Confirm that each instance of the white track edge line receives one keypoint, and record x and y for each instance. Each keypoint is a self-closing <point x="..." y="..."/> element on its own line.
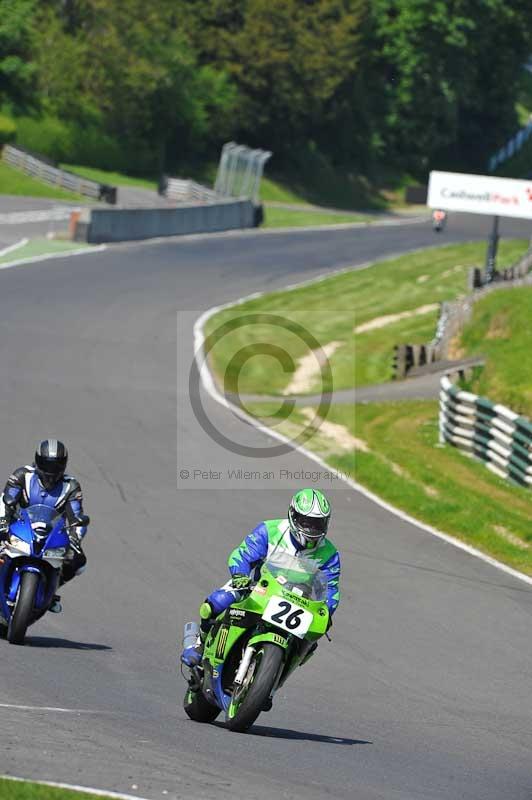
<point x="47" y="256"/>
<point x="15" y="246"/>
<point x="58" y="709"/>
<point x="211" y="388"/>
<point x="75" y="788"/>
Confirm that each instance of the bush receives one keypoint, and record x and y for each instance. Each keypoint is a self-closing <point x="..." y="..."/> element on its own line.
<point x="47" y="135"/>
<point x="70" y="143"/>
<point x="8" y="130"/>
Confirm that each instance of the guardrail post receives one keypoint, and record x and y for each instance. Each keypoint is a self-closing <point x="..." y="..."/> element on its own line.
<point x="399" y="361"/>
<point x="491" y="253"/>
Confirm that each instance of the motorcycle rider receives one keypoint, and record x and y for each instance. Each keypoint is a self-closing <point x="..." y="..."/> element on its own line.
<point x="45" y="482"/>
<point x="439" y="218"/>
<point x="304" y="532"/>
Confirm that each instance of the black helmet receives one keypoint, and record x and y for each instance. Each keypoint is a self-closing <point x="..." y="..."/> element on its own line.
<point x="51" y="459"/>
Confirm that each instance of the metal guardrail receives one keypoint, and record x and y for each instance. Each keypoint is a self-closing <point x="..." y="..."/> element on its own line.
<point x="492" y="433"/>
<point x="186" y="191"/>
<point x="44" y="171"/>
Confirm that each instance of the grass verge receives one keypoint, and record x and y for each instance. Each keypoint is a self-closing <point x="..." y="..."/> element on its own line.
<point x="41" y="247"/>
<point x="17" y="183"/>
<point x="330" y="310"/>
<point x="287" y="218"/>
<point x="25" y="790"/>
<point x="111" y="178"/>
<point x="393" y="450"/>
<point x="500" y="329"/>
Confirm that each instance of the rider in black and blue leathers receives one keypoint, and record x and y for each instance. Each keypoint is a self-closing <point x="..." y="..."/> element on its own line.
<point x="45" y="482"/>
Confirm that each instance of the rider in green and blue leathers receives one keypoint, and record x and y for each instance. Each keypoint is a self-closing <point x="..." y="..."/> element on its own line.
<point x="304" y="531"/>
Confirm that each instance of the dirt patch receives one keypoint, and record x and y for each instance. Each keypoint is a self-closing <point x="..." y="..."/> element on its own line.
<point x="389" y="319"/>
<point x="452" y="271"/>
<point x="430" y="491"/>
<point x="499" y="327"/>
<point x="339" y="434"/>
<point x="422" y="278"/>
<point x="397" y="470"/>
<point x="511" y="537"/>
<point x="309" y="367"/>
<point x="455" y="351"/>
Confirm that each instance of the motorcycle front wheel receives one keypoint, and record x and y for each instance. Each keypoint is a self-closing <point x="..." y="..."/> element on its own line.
<point x="22" y="612"/>
<point x="253" y="695"/>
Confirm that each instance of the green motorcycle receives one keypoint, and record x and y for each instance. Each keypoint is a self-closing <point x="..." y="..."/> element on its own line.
<point x="258" y="641"/>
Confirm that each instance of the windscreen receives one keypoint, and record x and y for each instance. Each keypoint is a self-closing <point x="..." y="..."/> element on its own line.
<point x="42" y="518"/>
<point x="298" y="574"/>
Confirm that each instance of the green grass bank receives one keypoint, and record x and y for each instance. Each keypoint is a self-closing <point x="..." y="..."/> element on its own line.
<point x="14" y="182"/>
<point x="501" y="329"/>
<point x="360" y="314"/>
<point x="25" y="790"/>
<point x="392" y="448"/>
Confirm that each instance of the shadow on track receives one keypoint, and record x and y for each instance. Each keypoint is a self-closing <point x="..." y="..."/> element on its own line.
<point x="287" y="733"/>
<point x="65" y="644"/>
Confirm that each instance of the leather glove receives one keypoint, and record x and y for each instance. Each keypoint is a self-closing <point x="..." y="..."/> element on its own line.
<point x="240" y="582"/>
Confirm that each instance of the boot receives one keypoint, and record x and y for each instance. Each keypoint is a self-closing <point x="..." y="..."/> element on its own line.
<point x="56" y="605"/>
<point x="192" y="655"/>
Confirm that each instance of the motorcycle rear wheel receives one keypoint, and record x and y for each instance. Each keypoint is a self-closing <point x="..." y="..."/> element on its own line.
<point x="198" y="708"/>
<point x="244" y="710"/>
<point x="22" y="612"/>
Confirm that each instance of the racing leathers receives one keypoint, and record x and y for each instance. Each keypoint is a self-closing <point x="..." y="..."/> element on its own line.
<point x="273" y="536"/>
<point x="24" y="489"/>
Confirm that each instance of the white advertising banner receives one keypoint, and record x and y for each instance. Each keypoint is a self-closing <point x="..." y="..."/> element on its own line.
<point x="480" y="194"/>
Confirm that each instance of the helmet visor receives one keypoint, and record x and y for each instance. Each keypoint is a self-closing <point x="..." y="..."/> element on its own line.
<point x="50" y="470"/>
<point x="311" y="528"/>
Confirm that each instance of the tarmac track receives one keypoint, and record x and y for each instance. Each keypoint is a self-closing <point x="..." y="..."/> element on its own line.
<point x="425" y="691"/>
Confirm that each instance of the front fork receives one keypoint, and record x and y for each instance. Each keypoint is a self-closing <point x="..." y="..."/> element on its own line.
<point x="250" y="651"/>
<point x="10" y="576"/>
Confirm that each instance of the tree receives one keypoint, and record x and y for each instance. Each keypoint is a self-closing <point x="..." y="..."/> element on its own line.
<point x="448" y="71"/>
<point x="16" y="72"/>
<point x="127" y="67"/>
<point x="290" y="59"/>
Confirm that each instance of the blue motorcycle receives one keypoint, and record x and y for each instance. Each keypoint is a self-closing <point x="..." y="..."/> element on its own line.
<point x="30" y="568"/>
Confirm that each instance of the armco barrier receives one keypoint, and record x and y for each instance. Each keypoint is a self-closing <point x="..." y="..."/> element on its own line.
<point x="120" y="225"/>
<point x="186" y="191"/>
<point x="44" y="171"/>
<point x="492" y="433"/>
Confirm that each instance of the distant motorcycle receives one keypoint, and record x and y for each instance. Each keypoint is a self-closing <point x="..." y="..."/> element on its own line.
<point x="439" y="218"/>
<point x="31" y="560"/>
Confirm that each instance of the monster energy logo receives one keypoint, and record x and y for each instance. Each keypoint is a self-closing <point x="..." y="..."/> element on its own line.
<point x="222" y="641"/>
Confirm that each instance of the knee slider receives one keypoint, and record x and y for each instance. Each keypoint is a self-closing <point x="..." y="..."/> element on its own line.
<point x="205" y="610"/>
